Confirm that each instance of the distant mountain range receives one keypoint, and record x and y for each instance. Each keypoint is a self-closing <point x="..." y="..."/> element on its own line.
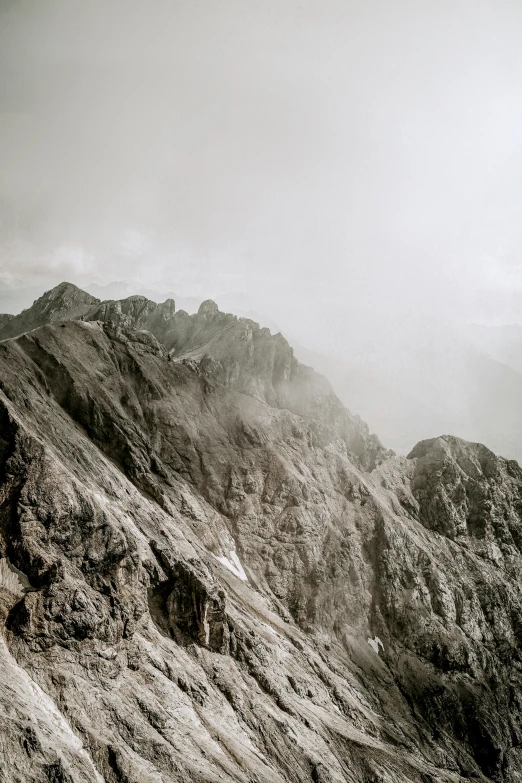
<point x="15" y="298"/>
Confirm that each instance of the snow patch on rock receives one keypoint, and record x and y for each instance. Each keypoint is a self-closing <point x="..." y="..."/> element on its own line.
<point x="374" y="644"/>
<point x="234" y="564"/>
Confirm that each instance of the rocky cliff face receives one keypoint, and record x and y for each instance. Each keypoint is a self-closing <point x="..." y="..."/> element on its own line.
<point x="210" y="571"/>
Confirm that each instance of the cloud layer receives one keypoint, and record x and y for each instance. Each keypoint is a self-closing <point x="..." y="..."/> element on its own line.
<point x="362" y="157"/>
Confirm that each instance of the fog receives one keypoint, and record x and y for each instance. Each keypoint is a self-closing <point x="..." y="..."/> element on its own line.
<point x="350" y="171"/>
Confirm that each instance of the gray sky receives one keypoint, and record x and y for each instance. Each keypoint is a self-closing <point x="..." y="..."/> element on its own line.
<point x="362" y="158"/>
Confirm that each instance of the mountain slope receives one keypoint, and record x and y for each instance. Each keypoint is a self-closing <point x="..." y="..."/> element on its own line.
<point x="191" y="576"/>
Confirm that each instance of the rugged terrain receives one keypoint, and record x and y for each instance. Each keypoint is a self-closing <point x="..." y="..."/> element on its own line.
<point x="211" y="571"/>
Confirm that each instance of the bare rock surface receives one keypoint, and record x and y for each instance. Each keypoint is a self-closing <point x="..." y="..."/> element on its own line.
<point x="210" y="571"/>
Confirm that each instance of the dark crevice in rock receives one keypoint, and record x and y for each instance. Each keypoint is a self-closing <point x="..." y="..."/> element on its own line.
<point x="189" y="605"/>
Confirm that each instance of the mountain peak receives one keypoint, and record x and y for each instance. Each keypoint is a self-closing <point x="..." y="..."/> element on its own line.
<point x="65" y="292"/>
<point x="184" y="506"/>
<point x="63" y="302"/>
<point x="208" y="307"/>
<point x="63" y="287"/>
<point x="200" y="534"/>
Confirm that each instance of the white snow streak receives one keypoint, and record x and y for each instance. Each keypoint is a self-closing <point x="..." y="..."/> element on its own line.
<point x="234" y="564"/>
<point x="374" y="643"/>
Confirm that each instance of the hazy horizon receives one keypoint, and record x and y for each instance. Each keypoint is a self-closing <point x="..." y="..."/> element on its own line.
<point x="356" y="158"/>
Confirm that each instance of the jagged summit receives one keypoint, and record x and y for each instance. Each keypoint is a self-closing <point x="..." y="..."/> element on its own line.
<point x="245" y="356"/>
<point x="467" y="453"/>
<point x="208" y="307"/>
<point x="447" y="443"/>
<point x="64" y="289"/>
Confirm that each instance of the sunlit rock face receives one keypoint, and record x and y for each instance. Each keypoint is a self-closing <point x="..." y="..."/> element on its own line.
<point x="211" y="571"/>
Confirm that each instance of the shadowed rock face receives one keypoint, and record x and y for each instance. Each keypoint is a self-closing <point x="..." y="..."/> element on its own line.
<point x="189" y="604"/>
<point x="137" y="470"/>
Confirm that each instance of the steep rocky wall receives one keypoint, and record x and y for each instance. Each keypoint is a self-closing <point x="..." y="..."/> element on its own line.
<point x="132" y="485"/>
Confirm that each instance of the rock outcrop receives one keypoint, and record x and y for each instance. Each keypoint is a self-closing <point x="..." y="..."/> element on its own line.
<point x="206" y="580"/>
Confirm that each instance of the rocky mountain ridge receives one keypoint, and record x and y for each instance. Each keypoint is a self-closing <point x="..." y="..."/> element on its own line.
<point x="233" y="351"/>
<point x="210" y="571"/>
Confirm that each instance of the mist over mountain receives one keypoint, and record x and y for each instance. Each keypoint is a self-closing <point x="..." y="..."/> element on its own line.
<point x="410" y="381"/>
<point x="502" y="343"/>
<point x="437" y="380"/>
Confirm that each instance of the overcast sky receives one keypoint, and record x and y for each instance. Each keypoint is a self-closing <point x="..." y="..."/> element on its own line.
<point x="360" y="156"/>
